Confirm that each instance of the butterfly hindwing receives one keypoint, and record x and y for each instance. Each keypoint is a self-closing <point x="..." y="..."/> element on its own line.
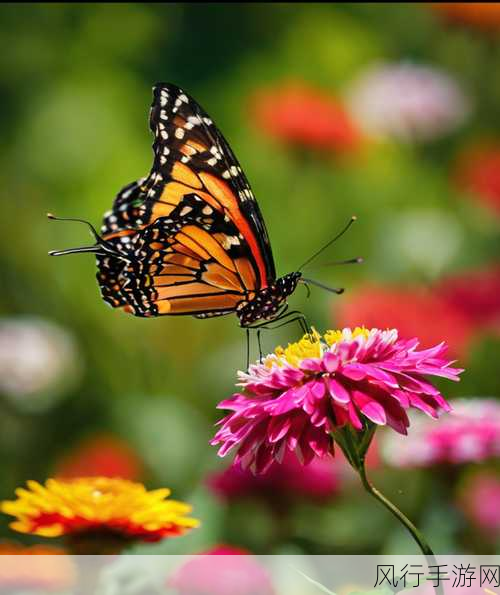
<point x="194" y="261"/>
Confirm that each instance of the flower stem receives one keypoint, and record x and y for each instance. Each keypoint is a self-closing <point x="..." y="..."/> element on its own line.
<point x="415" y="533"/>
<point x="402" y="518"/>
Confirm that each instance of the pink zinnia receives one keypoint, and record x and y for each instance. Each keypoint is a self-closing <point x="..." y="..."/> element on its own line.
<point x="298" y="396"/>
<point x="280" y="484"/>
<point x="471" y="433"/>
<point x="222" y="570"/>
<point x="479" y="500"/>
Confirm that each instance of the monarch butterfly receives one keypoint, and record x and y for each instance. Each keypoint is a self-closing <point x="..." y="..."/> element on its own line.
<point x="189" y="238"/>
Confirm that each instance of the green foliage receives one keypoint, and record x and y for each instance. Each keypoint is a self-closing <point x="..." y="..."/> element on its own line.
<point x="75" y="90"/>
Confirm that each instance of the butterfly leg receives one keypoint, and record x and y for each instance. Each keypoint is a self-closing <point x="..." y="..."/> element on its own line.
<point x="299" y="317"/>
<point x="259" y="344"/>
<point x="248" y="347"/>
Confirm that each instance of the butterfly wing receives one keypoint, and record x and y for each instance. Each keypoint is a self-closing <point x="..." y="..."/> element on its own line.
<point x="195" y="207"/>
<point x="194" y="261"/>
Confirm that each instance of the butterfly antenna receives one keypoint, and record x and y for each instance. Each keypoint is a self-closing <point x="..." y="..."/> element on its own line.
<point x="328" y="244"/>
<point x="337" y="290"/>
<point x="99" y="245"/>
<point x="334" y="263"/>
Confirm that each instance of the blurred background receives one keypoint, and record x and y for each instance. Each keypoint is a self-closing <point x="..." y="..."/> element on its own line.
<point x="387" y="111"/>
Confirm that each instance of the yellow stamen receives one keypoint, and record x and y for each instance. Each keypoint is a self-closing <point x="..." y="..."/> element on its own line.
<point x="332" y="337"/>
<point x="308" y="347"/>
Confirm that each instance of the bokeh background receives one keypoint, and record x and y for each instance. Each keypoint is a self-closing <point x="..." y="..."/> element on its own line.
<point x="387" y="111"/>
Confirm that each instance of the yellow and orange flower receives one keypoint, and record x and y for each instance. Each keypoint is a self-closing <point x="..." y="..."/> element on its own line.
<point x="98" y="505"/>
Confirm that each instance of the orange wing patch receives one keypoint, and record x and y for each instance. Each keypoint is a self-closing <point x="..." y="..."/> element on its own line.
<point x="206" y="243"/>
<point x="219" y="276"/>
<point x="182" y="173"/>
<point x="191" y="147"/>
<point x="224" y="195"/>
<point x="166" y="292"/>
<point x="246" y="272"/>
<point x="189" y="305"/>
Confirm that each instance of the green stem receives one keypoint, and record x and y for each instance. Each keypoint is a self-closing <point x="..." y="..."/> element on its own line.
<point x="415" y="533"/>
<point x="402" y="518"/>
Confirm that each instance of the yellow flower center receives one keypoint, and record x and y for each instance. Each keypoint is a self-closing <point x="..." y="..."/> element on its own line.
<point x="311" y="346"/>
<point x="308" y="347"/>
<point x="332" y="337"/>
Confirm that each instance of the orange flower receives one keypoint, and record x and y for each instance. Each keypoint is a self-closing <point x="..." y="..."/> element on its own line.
<point x="484" y="15"/>
<point x="478" y="172"/>
<point x="105" y="456"/>
<point x="22" y="568"/>
<point x="97" y="505"/>
<point x="303" y="116"/>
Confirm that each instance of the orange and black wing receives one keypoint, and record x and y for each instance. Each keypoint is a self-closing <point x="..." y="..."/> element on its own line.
<point x="194" y="261"/>
<point x="195" y="207"/>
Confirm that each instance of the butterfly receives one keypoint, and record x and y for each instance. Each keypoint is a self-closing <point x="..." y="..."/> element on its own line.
<point x="189" y="239"/>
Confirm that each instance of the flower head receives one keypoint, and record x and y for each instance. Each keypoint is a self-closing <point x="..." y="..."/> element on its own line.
<point x="471" y="433"/>
<point x="299" y="395"/>
<point x="289" y="481"/>
<point x="303" y="116"/>
<point x="233" y="572"/>
<point x="97" y="505"/>
<point x="479" y="498"/>
<point x="37" y="360"/>
<point x="102" y="455"/>
<point x="413" y="311"/>
<point x="477" y="171"/>
<point x="475" y="293"/>
<point x="483" y="15"/>
<point x="407" y="102"/>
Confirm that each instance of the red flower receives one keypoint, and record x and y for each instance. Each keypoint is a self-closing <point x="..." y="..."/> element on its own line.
<point x="476" y="293"/>
<point x="235" y="573"/>
<point x="104" y="456"/>
<point x="478" y="172"/>
<point x="484" y="15"/>
<point x="413" y="311"/>
<point x="318" y="481"/>
<point x="303" y="116"/>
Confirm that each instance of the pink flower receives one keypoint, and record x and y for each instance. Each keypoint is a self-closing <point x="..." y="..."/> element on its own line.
<point x="235" y="572"/>
<point x="479" y="501"/>
<point x="408" y="102"/>
<point x="300" y="115"/>
<point x="298" y="396"/>
<point x="471" y="433"/>
<point x="318" y="481"/>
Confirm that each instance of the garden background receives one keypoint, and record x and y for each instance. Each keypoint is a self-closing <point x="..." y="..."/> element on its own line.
<point x="386" y="111"/>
